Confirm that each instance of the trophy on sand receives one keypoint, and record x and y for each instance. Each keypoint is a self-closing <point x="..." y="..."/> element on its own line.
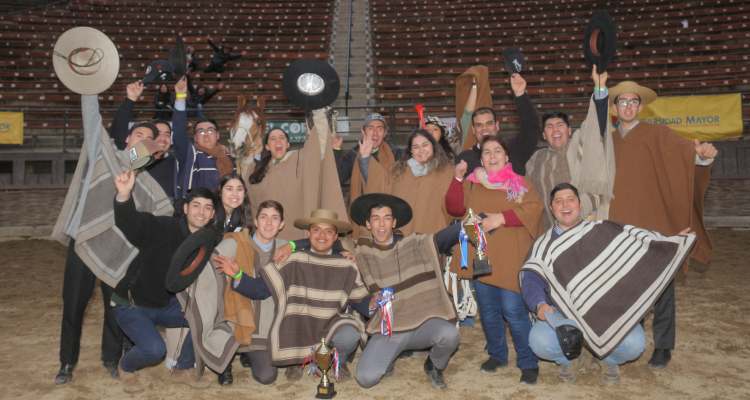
<point x="475" y="234"/>
<point x="324" y="359"/>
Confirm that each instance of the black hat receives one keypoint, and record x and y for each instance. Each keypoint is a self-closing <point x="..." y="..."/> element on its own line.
<point x="571" y="340"/>
<point x="514" y="61"/>
<point x="310" y="84"/>
<point x="191" y="257"/>
<point x="178" y="58"/>
<point x="360" y="209"/>
<point x="600" y="40"/>
<point x="159" y="71"/>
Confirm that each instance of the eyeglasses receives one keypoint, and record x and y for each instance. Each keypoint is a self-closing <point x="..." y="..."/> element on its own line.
<point x="628" y="102"/>
<point x="205" y="131"/>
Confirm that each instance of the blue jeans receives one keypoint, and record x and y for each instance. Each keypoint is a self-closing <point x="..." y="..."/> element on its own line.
<point x="139" y="324"/>
<point x="496" y="306"/>
<point x="543" y="341"/>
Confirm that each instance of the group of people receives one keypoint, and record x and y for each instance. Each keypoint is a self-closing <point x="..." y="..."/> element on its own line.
<point x="583" y="235"/>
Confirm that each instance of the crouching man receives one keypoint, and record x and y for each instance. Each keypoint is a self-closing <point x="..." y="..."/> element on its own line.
<point x="141" y="300"/>
<point x="593" y="282"/>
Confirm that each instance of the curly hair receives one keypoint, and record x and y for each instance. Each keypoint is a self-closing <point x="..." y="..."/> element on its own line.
<point x="439" y="158"/>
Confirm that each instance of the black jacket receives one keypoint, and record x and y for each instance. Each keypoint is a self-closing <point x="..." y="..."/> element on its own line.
<point x="157" y="238"/>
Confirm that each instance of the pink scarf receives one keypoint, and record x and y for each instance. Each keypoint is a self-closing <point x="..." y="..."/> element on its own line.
<point x="505" y="179"/>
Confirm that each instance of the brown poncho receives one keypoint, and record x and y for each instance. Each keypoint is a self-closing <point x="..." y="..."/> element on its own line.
<point x="303" y="181"/>
<point x="481" y="74"/>
<point x="658" y="186"/>
<point x="507" y="247"/>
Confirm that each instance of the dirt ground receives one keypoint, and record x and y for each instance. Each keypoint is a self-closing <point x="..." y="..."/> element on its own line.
<point x="711" y="359"/>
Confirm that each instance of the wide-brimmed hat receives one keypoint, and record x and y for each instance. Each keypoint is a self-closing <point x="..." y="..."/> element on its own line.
<point x="600" y="40"/>
<point x="141" y="155"/>
<point x="361" y="207"/>
<point x="310" y="84"/>
<point x="647" y="95"/>
<point x="85" y="60"/>
<point x="191" y="257"/>
<point x="323" y="216"/>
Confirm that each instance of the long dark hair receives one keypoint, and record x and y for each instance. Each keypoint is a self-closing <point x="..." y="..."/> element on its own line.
<point x="261" y="167"/>
<point x="443" y="142"/>
<point x="239" y="217"/>
<point x="439" y="158"/>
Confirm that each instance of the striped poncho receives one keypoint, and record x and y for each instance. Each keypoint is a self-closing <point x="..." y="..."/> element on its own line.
<point x="606" y="276"/>
<point x="311" y="293"/>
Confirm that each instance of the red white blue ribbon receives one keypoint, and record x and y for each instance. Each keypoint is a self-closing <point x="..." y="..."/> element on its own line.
<point x="385" y="303"/>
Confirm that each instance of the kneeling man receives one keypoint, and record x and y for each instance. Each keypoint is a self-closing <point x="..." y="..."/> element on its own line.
<point x="419" y="315"/>
<point x="599" y="277"/>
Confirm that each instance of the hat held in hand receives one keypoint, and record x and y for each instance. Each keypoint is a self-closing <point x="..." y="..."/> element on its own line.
<point x="600" y="40"/>
<point x="85" y="60"/>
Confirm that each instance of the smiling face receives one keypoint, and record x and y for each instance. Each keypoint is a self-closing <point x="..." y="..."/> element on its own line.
<point x="381" y="225"/>
<point x="421" y="149"/>
<point x="277" y="144"/>
<point x="494" y="156"/>
<point x="268" y="223"/>
<point x="206" y="135"/>
<point x="628" y="105"/>
<point x="199" y="212"/>
<point x="566" y="207"/>
<point x="556" y="132"/>
<point x="484" y="124"/>
<point x="322" y="237"/>
<point x="232" y="194"/>
<point x="164" y="137"/>
<point x="374" y="131"/>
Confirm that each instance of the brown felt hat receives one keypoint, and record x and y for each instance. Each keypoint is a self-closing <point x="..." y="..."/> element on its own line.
<point x="323" y="216"/>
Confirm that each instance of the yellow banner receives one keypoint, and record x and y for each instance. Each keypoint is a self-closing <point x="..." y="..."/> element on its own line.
<point x="11" y="128"/>
<point x="710" y="117"/>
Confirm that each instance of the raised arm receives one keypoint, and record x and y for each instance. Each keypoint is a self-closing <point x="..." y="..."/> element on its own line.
<point x="531" y="132"/>
<point x="119" y="128"/>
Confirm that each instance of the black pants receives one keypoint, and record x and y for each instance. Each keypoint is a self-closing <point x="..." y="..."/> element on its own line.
<point x="664" y="326"/>
<point x="78" y="286"/>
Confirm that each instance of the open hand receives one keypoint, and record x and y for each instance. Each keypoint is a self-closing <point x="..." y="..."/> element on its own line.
<point x="518" y="84"/>
<point x="365" y="147"/>
<point x="225" y="264"/>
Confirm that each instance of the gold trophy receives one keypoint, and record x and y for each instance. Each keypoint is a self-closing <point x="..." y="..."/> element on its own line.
<point x="476" y="236"/>
<point x="324" y="360"/>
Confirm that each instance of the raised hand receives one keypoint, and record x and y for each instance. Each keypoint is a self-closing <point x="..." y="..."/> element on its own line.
<point x="518" y="84"/>
<point x="124" y="183"/>
<point x="600" y="80"/>
<point x="705" y="150"/>
<point x="134" y="90"/>
<point x="460" y="170"/>
<point x="365" y="147"/>
<point x="337" y="141"/>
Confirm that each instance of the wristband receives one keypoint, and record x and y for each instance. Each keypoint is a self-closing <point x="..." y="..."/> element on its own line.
<point x="600" y="89"/>
<point x="293" y="246"/>
<point x="180" y="96"/>
<point x="237" y="276"/>
<point x="458" y="179"/>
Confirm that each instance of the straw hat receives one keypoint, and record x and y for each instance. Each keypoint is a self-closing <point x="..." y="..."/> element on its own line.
<point x="323" y="216"/>
<point x="647" y="95"/>
<point x="85" y="60"/>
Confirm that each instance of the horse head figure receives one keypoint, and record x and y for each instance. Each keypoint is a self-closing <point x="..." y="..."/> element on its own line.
<point x="246" y="131"/>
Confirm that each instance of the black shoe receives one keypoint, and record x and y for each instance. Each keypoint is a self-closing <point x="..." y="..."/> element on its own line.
<point x="245" y="360"/>
<point x="65" y="374"/>
<point x="660" y="358"/>
<point x="111" y="367"/>
<point x="436" y="375"/>
<point x="529" y="376"/>
<point x="226" y="378"/>
<point x="491" y="365"/>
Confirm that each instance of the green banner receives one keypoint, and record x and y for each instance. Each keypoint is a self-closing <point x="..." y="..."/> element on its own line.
<point x="297" y="130"/>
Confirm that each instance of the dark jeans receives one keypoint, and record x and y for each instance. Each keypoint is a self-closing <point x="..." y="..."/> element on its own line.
<point x="78" y="286"/>
<point x="139" y="324"/>
<point x="496" y="306"/>
<point x="664" y="326"/>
